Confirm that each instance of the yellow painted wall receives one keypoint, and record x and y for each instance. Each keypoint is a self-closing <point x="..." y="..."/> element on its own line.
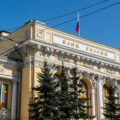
<point x="25" y="93"/>
<point x="17" y="36"/>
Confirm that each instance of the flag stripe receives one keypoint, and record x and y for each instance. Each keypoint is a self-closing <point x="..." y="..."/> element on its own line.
<point x="78" y="25"/>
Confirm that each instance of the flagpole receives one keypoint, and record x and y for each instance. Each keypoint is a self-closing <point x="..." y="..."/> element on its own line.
<point x="78" y="25"/>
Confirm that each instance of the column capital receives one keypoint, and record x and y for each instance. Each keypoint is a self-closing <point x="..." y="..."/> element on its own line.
<point x="92" y="77"/>
<point x="85" y="74"/>
<point x="37" y="47"/>
<point x="100" y="79"/>
<point x="27" y="50"/>
<point x="54" y="67"/>
<point x="80" y="73"/>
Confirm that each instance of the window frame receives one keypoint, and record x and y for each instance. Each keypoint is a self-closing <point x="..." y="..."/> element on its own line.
<point x="105" y="94"/>
<point x="4" y="92"/>
<point x="85" y="94"/>
<point x="57" y="81"/>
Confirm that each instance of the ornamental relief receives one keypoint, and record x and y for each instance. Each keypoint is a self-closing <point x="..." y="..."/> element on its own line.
<point x="110" y="71"/>
<point x="88" y="65"/>
<point x="48" y="37"/>
<point x="40" y="33"/>
<point x="70" y="61"/>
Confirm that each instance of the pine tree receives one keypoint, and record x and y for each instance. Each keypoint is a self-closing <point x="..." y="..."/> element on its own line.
<point x="80" y="110"/>
<point x="64" y="96"/>
<point x="112" y="107"/>
<point x="44" y="104"/>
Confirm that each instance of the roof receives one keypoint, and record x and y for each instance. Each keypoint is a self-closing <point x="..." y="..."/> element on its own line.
<point x="7" y="45"/>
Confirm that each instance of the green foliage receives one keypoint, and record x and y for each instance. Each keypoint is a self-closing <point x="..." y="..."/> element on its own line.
<point x="64" y="96"/>
<point x="112" y="108"/>
<point x="44" y="104"/>
<point x="80" y="110"/>
<point x="50" y="103"/>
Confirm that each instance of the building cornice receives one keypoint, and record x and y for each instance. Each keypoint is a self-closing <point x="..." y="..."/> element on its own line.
<point x="8" y="61"/>
<point x="39" y="63"/>
<point x="72" y="35"/>
<point x="12" y="78"/>
<point x="51" y="47"/>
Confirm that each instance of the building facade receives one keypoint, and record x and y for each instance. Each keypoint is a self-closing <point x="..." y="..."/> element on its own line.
<point x="24" y="51"/>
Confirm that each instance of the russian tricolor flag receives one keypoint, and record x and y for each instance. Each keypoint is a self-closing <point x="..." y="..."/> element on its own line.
<point x="78" y="25"/>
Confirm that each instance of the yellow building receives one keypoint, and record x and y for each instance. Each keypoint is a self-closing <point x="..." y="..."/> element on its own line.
<point x="24" y="51"/>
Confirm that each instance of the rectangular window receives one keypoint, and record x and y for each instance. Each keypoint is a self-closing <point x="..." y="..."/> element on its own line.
<point x="3" y="95"/>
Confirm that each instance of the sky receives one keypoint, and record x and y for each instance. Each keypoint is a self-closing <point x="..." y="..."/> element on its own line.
<point x="103" y="27"/>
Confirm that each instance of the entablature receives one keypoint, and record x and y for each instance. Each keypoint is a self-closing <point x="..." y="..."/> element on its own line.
<point x="76" y="55"/>
<point x="56" y="56"/>
<point x="67" y="40"/>
<point x="8" y="67"/>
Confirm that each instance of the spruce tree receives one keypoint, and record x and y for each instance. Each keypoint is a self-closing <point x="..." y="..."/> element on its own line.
<point x="44" y="104"/>
<point x="64" y="96"/>
<point x="112" y="107"/>
<point x="80" y="110"/>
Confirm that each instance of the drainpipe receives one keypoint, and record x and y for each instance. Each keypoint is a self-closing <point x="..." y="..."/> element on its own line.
<point x="20" y="79"/>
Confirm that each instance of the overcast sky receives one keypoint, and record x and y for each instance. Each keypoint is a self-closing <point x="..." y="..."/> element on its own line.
<point x="103" y="27"/>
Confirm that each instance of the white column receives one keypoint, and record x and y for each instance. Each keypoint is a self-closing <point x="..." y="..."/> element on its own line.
<point x="100" y="100"/>
<point x="14" y="95"/>
<point x="93" y="101"/>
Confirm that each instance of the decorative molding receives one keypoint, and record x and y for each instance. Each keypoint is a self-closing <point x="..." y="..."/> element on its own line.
<point x="83" y="47"/>
<point x="7" y="61"/>
<point x="38" y="60"/>
<point x="2" y="69"/>
<point x="76" y="53"/>
<point x="110" y="71"/>
<point x="94" y="82"/>
<point x="88" y="65"/>
<point x="48" y="37"/>
<point x="40" y="33"/>
<point x="9" y="77"/>
<point x="7" y="64"/>
<point x="47" y="52"/>
<point x="55" y="65"/>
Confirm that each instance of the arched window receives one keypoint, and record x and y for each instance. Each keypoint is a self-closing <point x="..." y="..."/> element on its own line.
<point x="3" y="94"/>
<point x="84" y="94"/>
<point x="83" y="88"/>
<point x="106" y="93"/>
<point x="57" y="79"/>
